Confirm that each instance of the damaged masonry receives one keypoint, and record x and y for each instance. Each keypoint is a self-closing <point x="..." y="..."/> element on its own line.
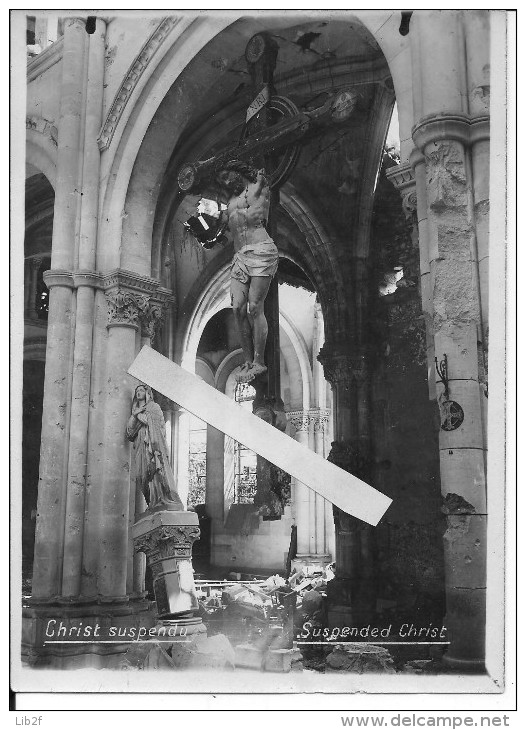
<point x="289" y="215"/>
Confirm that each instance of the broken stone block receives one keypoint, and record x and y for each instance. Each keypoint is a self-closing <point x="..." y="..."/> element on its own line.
<point x="249" y="656"/>
<point x="360" y="658"/>
<point x="204" y="652"/>
<point x="281" y="660"/>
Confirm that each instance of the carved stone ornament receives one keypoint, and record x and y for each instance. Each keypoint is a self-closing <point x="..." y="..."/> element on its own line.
<point x="299" y="420"/>
<point x="135" y="301"/>
<point x="131" y="79"/>
<point x="321" y="420"/>
<point x="152" y="317"/>
<point x="403" y="179"/>
<point x="124" y="307"/>
<point x="167" y="541"/>
<point x="409" y="204"/>
<point x="342" y="369"/>
<point x="302" y="420"/>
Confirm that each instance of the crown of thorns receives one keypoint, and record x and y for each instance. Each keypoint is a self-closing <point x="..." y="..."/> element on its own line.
<point x="243" y="168"/>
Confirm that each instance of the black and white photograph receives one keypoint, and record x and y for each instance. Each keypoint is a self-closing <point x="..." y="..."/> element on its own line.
<point x="260" y="263"/>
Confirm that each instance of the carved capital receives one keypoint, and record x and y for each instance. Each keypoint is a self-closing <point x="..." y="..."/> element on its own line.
<point x="125" y="308"/>
<point x="167" y="541"/>
<point x="318" y="418"/>
<point x="321" y="419"/>
<point x="135" y="301"/>
<point x="153" y="316"/>
<point x="403" y="178"/>
<point x="341" y="369"/>
<point x="299" y="420"/>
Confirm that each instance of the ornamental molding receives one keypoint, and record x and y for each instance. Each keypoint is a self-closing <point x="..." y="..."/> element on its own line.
<point x="401" y="176"/>
<point x="132" y="78"/>
<point x="304" y="419"/>
<point x="58" y="277"/>
<point x="88" y="278"/>
<point x="451" y="127"/>
<point x="133" y="300"/>
<point x="43" y="126"/>
<point x="129" y="280"/>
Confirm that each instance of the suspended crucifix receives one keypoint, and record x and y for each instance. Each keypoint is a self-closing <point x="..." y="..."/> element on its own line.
<point x="250" y="175"/>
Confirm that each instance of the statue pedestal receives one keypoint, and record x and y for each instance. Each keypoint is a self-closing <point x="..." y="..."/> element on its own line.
<point x="166" y="537"/>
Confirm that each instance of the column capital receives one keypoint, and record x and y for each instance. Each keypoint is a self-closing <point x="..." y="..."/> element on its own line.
<point x="403" y="179"/>
<point x="342" y="368"/>
<point x="135" y="300"/>
<point x="124" y="308"/>
<point x="316" y="417"/>
<point x="320" y="418"/>
<point x="166" y="541"/>
<point x="452" y="127"/>
<point x="299" y="420"/>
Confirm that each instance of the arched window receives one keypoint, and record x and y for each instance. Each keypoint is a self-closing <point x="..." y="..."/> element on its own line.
<point x="197" y="462"/>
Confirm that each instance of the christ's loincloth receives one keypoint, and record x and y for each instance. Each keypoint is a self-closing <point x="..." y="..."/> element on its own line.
<point x="255" y="259"/>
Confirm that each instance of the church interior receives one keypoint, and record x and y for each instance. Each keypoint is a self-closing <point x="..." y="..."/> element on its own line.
<point x="374" y="129"/>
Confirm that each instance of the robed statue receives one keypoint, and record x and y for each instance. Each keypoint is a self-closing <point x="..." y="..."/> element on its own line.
<point x="153" y="474"/>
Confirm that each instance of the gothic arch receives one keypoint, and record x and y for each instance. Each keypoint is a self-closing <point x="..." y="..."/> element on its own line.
<point x="41" y="153"/>
<point x="135" y="169"/>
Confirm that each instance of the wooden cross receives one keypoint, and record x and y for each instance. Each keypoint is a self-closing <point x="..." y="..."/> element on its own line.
<point x="264" y="140"/>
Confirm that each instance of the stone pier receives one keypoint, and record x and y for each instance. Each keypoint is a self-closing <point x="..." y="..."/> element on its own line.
<point x="451" y="169"/>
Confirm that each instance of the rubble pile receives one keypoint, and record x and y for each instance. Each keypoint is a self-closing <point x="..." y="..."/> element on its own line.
<point x="262" y="616"/>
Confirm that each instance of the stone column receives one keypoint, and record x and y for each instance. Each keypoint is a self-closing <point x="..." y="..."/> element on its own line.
<point x="451" y="138"/>
<point x="86" y="284"/>
<point x="346" y="373"/>
<point x="320" y="418"/>
<point x="49" y="534"/>
<point x="457" y="330"/>
<point x="300" y="492"/>
<point x="309" y="507"/>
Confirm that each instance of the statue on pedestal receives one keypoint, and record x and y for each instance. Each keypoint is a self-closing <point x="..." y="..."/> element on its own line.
<point x="153" y="474"/>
